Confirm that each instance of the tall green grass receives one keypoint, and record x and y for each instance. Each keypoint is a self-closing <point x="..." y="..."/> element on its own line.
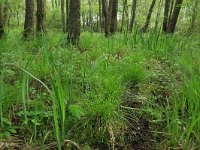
<point x="80" y="87"/>
<point x="183" y="116"/>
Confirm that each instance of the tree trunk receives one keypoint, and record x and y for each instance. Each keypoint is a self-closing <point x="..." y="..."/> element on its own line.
<point x="145" y="27"/>
<point x="90" y="15"/>
<point x="18" y="19"/>
<point x="1" y="20"/>
<point x="171" y="10"/>
<point x="158" y="13"/>
<point x="97" y="23"/>
<point x="194" y="15"/>
<point x="110" y="5"/>
<point x="100" y="17"/>
<point x="29" y="19"/>
<point x="124" y="12"/>
<point x="83" y="20"/>
<point x="105" y="14"/>
<point x="133" y="11"/>
<point x="166" y="15"/>
<point x="74" y="22"/>
<point x="40" y="15"/>
<point x="67" y="15"/>
<point x="174" y="18"/>
<point x="63" y="15"/>
<point x="113" y="24"/>
<point x="87" y="21"/>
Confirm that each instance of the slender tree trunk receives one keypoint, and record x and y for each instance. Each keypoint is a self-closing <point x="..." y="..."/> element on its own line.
<point x="124" y="12"/>
<point x="145" y="27"/>
<point x="171" y="10"/>
<point x="126" y="17"/>
<point x="133" y="11"/>
<point x="83" y="20"/>
<point x="29" y="19"/>
<point x="100" y="16"/>
<point x="40" y="27"/>
<point x="1" y="20"/>
<point x="175" y="14"/>
<point x="166" y="15"/>
<point x="63" y="15"/>
<point x="113" y="24"/>
<point x="87" y="21"/>
<point x="18" y="20"/>
<point x="97" y="23"/>
<point x="67" y="15"/>
<point x="74" y="22"/>
<point x="194" y="15"/>
<point x="105" y="14"/>
<point x="110" y="5"/>
<point x="158" y="13"/>
<point x="90" y="15"/>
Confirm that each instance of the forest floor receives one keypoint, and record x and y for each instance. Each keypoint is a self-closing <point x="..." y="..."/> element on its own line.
<point x="130" y="91"/>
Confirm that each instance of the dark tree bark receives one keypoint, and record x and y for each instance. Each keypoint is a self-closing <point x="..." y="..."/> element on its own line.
<point x="133" y="12"/>
<point x="97" y="22"/>
<point x="158" y="13"/>
<point x="40" y="27"/>
<point x="87" y="21"/>
<point x="171" y="10"/>
<point x="166" y="15"/>
<point x="106" y="17"/>
<point x="174" y="18"/>
<point x="63" y="15"/>
<point x="29" y="19"/>
<point x="145" y="27"/>
<point x="113" y="24"/>
<point x="67" y="15"/>
<point x="1" y="20"/>
<point x="74" y="22"/>
<point x="110" y="5"/>
<point x="124" y="13"/>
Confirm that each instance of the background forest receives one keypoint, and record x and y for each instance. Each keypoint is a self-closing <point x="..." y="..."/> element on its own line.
<point x="100" y="74"/>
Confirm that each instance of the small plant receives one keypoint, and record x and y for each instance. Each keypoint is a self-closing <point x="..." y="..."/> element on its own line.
<point x="132" y="70"/>
<point x="7" y="129"/>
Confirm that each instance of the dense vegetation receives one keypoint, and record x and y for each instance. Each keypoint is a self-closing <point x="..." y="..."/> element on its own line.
<point x="110" y="75"/>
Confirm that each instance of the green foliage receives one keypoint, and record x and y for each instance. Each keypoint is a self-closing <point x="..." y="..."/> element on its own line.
<point x="183" y="118"/>
<point x="50" y="91"/>
<point x="77" y="92"/>
<point x="7" y="130"/>
<point x="132" y="70"/>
